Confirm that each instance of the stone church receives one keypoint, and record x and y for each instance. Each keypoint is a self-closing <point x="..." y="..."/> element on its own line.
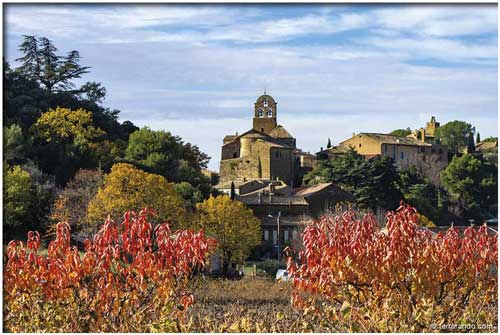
<point x="265" y="152"/>
<point x="265" y="167"/>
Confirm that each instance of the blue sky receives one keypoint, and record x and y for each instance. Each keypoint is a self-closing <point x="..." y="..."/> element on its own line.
<point x="196" y="70"/>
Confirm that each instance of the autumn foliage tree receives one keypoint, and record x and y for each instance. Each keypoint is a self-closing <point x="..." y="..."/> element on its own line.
<point x="234" y="226"/>
<point x="356" y="276"/>
<point x="127" y="187"/>
<point x="72" y="202"/>
<point x="132" y="277"/>
<point x="64" y="136"/>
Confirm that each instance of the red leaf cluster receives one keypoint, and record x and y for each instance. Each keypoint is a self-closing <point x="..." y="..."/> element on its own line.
<point x="350" y="258"/>
<point x="126" y="268"/>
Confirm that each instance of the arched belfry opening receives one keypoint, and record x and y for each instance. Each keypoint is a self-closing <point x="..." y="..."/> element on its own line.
<point x="265" y="114"/>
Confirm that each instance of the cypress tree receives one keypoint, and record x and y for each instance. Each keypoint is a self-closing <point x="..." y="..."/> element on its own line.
<point x="478" y="138"/>
<point x="233" y="191"/>
<point x="329" y="145"/>
<point x="470" y="143"/>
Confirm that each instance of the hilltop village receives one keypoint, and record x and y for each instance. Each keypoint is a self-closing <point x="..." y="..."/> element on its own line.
<point x="263" y="168"/>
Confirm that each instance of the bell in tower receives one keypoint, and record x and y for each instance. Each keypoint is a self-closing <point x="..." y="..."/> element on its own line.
<point x="264" y="119"/>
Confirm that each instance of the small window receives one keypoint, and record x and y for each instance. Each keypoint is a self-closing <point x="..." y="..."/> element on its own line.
<point x="266" y="235"/>
<point x="294" y="234"/>
<point x="275" y="237"/>
<point x="235" y="155"/>
<point x="360" y="145"/>
<point x="402" y="155"/>
<point x="285" y="236"/>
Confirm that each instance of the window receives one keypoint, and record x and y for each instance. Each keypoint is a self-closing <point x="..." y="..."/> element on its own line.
<point x="261" y="113"/>
<point x="275" y="237"/>
<point x="294" y="234"/>
<point x="266" y="235"/>
<point x="360" y="145"/>
<point x="285" y="235"/>
<point x="265" y="103"/>
<point x="402" y="155"/>
<point x="235" y="155"/>
<point x="270" y="112"/>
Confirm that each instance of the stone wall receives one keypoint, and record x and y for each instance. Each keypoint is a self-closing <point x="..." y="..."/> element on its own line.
<point x="282" y="164"/>
<point x="429" y="161"/>
<point x="239" y="168"/>
<point x="364" y="145"/>
<point x="230" y="150"/>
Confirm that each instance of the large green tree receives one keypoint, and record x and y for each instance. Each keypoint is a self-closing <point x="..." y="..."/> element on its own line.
<point x="53" y="72"/>
<point x="14" y="143"/>
<point x="471" y="183"/>
<point x="27" y="193"/>
<point x="455" y="135"/>
<point x="165" y="154"/>
<point x="372" y="182"/>
<point x="428" y="199"/>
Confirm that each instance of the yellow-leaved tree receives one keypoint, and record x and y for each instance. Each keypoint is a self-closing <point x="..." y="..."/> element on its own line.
<point x="64" y="125"/>
<point x="127" y="188"/>
<point x="234" y="226"/>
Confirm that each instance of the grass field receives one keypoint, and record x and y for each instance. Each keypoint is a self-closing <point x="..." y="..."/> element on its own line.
<point x="257" y="304"/>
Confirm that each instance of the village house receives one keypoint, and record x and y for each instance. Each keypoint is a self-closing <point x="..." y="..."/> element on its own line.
<point x="418" y="150"/>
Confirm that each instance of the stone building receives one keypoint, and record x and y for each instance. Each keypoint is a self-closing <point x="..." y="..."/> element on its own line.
<point x="265" y="166"/>
<point x="419" y="149"/>
<point x="293" y="207"/>
<point x="265" y="152"/>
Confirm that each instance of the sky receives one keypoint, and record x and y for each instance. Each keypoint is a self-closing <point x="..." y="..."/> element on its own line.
<point x="196" y="70"/>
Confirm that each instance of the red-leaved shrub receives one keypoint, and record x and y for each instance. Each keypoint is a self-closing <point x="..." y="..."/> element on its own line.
<point x="131" y="277"/>
<point x="357" y="276"/>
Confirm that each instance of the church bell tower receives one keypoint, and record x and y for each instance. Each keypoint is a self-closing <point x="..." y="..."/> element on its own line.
<point x="264" y="119"/>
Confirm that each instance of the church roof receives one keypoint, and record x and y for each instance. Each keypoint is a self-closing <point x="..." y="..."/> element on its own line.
<point x="263" y="136"/>
<point x="280" y="132"/>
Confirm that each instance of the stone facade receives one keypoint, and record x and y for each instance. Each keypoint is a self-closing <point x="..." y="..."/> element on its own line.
<point x="419" y="149"/>
<point x="295" y="207"/>
<point x="267" y="151"/>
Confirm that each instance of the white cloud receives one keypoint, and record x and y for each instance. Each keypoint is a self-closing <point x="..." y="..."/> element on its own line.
<point x="438" y="48"/>
<point x="434" y="20"/>
<point x="197" y="70"/>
